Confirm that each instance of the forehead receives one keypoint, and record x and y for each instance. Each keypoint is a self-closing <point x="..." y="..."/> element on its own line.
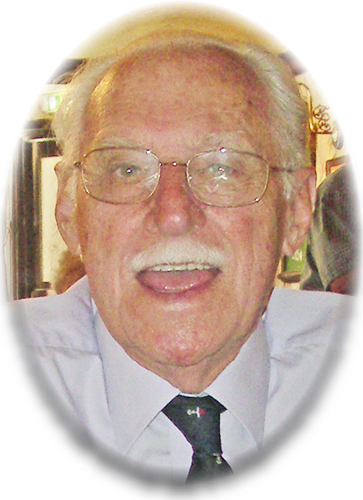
<point x="209" y="88"/>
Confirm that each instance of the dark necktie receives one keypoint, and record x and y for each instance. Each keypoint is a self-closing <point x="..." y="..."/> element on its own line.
<point x="199" y="420"/>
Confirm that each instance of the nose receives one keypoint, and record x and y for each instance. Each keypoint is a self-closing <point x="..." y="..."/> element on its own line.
<point x="173" y="209"/>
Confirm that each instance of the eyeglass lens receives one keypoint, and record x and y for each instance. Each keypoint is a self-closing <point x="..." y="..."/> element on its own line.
<point x="222" y="177"/>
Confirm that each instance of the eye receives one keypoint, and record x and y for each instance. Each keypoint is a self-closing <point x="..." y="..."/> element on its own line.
<point x="126" y="170"/>
<point x="221" y="171"/>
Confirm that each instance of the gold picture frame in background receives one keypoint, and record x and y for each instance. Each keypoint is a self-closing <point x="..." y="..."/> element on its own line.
<point x="336" y="163"/>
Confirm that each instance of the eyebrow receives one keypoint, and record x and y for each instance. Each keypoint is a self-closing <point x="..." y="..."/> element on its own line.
<point x="226" y="138"/>
<point x="214" y="140"/>
<point x="114" y="142"/>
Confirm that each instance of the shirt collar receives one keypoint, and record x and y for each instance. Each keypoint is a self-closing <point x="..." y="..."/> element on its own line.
<point x="135" y="395"/>
<point x="242" y="387"/>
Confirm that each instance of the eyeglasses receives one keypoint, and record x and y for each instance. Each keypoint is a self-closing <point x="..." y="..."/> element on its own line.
<point x="221" y="177"/>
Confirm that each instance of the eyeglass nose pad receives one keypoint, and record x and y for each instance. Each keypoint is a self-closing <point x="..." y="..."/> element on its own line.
<point x="172" y="163"/>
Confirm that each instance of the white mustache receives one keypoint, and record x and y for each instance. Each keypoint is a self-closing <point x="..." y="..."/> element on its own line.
<point x="173" y="253"/>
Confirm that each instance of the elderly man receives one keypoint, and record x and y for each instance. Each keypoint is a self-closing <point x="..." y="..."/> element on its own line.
<point x="184" y="178"/>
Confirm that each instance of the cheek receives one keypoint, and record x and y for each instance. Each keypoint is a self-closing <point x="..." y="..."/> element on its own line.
<point x="257" y="241"/>
<point x="101" y="227"/>
<point x="96" y="236"/>
<point x="258" y="233"/>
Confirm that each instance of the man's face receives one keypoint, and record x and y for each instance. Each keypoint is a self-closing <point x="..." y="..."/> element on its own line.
<point x="192" y="319"/>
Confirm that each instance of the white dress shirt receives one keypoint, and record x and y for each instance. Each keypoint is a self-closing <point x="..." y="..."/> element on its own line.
<point x="119" y="403"/>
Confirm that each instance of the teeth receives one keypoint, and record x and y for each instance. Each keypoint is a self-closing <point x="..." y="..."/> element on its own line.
<point x="180" y="267"/>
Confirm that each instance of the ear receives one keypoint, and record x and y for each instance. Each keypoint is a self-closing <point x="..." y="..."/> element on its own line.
<point x="300" y="210"/>
<point x="65" y="213"/>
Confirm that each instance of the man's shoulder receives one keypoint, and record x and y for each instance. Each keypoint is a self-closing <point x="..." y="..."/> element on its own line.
<point x="304" y="331"/>
<point x="305" y="317"/>
<point x="64" y="320"/>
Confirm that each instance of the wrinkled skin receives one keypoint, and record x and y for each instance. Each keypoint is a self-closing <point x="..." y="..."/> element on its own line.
<point x="179" y="106"/>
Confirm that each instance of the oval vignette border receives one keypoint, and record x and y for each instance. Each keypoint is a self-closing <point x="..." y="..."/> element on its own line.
<point x="40" y="455"/>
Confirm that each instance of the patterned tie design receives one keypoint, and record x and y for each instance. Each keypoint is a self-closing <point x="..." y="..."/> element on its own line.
<point x="199" y="420"/>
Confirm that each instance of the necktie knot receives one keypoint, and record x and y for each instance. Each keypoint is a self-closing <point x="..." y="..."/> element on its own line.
<point x="198" y="418"/>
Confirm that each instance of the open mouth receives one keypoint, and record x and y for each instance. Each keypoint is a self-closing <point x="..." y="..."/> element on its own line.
<point x="178" y="266"/>
<point x="178" y="277"/>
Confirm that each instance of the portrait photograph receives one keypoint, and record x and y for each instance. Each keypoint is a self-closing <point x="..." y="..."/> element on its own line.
<point x="181" y="279"/>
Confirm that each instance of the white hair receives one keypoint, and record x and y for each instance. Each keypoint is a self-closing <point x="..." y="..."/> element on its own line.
<point x="287" y="112"/>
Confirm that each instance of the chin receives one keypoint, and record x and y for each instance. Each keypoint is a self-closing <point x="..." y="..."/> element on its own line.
<point x="178" y="347"/>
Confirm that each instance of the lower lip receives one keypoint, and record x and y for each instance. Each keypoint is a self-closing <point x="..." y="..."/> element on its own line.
<point x="177" y="282"/>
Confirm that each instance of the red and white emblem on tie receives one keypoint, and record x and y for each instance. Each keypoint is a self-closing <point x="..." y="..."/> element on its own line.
<point x="199" y="412"/>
